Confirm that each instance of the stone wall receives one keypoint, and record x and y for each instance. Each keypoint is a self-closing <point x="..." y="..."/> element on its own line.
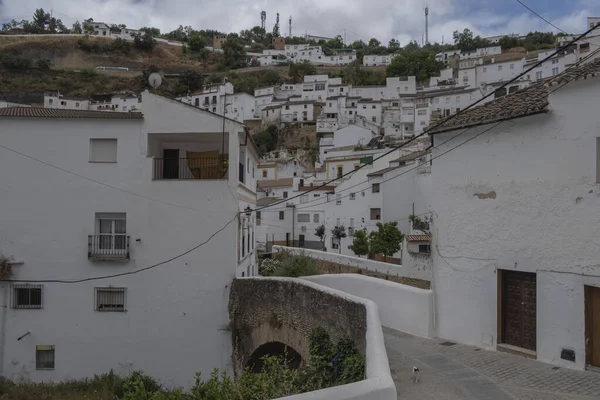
<point x="264" y="310"/>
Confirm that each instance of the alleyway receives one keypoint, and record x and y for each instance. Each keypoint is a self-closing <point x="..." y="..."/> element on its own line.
<point x="457" y="372"/>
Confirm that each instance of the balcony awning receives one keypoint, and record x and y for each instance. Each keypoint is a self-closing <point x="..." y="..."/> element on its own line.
<point x="418" y="238"/>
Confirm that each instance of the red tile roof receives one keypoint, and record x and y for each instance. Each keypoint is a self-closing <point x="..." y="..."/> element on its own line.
<point x="27" y="112"/>
<point x="418" y="238"/>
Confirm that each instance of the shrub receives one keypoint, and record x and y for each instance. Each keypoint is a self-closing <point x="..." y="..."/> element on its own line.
<point x="294" y="266"/>
<point x="5" y="273"/>
<point x="268" y="266"/>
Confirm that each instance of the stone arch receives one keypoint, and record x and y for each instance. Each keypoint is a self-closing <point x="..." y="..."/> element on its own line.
<point x="292" y="357"/>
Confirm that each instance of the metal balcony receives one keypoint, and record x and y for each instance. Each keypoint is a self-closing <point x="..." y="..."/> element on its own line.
<point x="108" y="247"/>
<point x="190" y="168"/>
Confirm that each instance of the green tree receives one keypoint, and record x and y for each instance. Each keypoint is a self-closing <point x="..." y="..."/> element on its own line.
<point x="77" y="27"/>
<point x="234" y="55"/>
<point x="360" y="244"/>
<point x="196" y="42"/>
<point x="338" y="233"/>
<point x="394" y="45"/>
<point x="387" y="240"/>
<point x="191" y="80"/>
<point x="144" y="41"/>
<point x="374" y="43"/>
<point x="299" y="70"/>
<point x="40" y="20"/>
<point x="464" y="40"/>
<point x="320" y="233"/>
<point x="419" y="63"/>
<point x="88" y="28"/>
<point x="266" y="140"/>
<point x="155" y="32"/>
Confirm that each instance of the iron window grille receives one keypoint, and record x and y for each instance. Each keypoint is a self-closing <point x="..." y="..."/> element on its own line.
<point x="26" y="296"/>
<point x="44" y="357"/>
<point x="110" y="299"/>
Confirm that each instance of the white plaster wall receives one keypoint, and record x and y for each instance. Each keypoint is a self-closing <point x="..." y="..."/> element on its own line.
<point x="499" y="72"/>
<point x="174" y="312"/>
<point x="370" y="111"/>
<point x="351" y="135"/>
<point x="401" y="307"/>
<point x="543" y="219"/>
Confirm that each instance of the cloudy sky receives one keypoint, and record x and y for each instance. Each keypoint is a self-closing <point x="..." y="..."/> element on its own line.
<point x="357" y="19"/>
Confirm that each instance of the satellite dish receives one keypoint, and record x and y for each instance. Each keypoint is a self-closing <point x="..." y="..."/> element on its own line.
<point x="155" y="80"/>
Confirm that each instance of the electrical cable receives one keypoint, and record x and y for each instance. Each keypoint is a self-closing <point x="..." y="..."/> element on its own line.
<point x="137" y="271"/>
<point x="539" y="16"/>
<point x="443" y="121"/>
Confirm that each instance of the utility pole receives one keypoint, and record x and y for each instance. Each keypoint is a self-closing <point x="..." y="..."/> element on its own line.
<point x="344" y="35"/>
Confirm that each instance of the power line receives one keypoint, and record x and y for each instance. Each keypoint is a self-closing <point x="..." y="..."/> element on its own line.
<point x="137" y="271"/>
<point x="425" y="132"/>
<point x="539" y="16"/>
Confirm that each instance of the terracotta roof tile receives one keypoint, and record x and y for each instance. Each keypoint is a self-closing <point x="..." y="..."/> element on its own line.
<point x="584" y="71"/>
<point x="27" y="112"/>
<point x="418" y="238"/>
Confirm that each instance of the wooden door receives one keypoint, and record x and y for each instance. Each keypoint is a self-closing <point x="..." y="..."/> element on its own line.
<point x="592" y="325"/>
<point x="519" y="307"/>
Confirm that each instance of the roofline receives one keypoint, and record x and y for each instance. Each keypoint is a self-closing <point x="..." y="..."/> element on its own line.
<point x="486" y="122"/>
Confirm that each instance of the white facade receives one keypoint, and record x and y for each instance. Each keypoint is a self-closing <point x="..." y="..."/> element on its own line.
<point x="297" y="112"/>
<point x="57" y="101"/>
<point x="522" y="197"/>
<point x="118" y="102"/>
<point x="211" y="98"/>
<point x="263" y="98"/>
<point x="6" y="104"/>
<point x="241" y="107"/>
<point x="592" y="22"/>
<point x="47" y="234"/>
<point x="378" y="60"/>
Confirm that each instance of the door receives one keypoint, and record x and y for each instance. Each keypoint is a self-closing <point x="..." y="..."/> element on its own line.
<point x="287" y="239"/>
<point x="170" y="164"/>
<point x="592" y="326"/>
<point x="112" y="234"/>
<point x="301" y="243"/>
<point x="519" y="309"/>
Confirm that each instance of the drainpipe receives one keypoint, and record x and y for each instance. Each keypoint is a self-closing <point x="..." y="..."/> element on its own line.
<point x="293" y="207"/>
<point x="4" y="310"/>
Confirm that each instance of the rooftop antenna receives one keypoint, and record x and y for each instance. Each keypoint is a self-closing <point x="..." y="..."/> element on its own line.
<point x="426" y="25"/>
<point x="290" y="26"/>
<point x="263" y="19"/>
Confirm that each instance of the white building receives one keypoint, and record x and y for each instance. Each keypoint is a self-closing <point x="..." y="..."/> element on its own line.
<point x="241" y="107"/>
<point x="117" y="102"/>
<point x="6" y="104"/>
<point x="592" y="22"/>
<point x="263" y="98"/>
<point x="375" y="60"/>
<point x="144" y="189"/>
<point x="515" y="223"/>
<point x="351" y="135"/>
<point x="299" y="111"/>
<point x="55" y="100"/>
<point x="216" y="98"/>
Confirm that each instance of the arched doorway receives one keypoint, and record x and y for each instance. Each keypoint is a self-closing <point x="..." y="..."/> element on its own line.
<point x="293" y="358"/>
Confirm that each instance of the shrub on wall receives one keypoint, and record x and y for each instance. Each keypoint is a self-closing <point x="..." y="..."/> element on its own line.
<point x="292" y="265"/>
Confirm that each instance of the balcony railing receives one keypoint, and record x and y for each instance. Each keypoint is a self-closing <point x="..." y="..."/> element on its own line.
<point x="190" y="168"/>
<point x="108" y="247"/>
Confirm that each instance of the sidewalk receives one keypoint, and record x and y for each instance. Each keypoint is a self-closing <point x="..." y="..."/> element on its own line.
<point x="450" y="371"/>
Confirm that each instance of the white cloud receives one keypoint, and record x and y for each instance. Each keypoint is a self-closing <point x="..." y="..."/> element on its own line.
<point x="357" y="19"/>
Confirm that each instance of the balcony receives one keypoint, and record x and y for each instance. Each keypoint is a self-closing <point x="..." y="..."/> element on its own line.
<point x="190" y="168"/>
<point x="108" y="247"/>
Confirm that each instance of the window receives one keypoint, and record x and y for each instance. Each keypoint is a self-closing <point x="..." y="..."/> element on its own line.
<point x="110" y="298"/>
<point x="375" y="214"/>
<point x="395" y="104"/>
<point x="555" y="61"/>
<point x="341" y="89"/>
<point x="111" y="234"/>
<point x="285" y="195"/>
<point x="538" y="75"/>
<point x="424" y="249"/>
<point x="338" y="199"/>
<point x="301" y="240"/>
<point x="350" y="112"/>
<point x="375" y="188"/>
<point x="499" y="67"/>
<point x="422" y="112"/>
<point x="374" y="119"/>
<point x="447" y="100"/>
<point x="334" y="243"/>
<point x="44" y="357"/>
<point x="364" y="106"/>
<point x="316" y="218"/>
<point x="304" y="199"/>
<point x="49" y="101"/>
<point x="340" y="171"/>
<point x="197" y="102"/>
<point x="26" y="296"/>
<point x="77" y="104"/>
<point x="214" y="99"/>
<point x="320" y="86"/>
<point x="555" y="71"/>
<point x="103" y="150"/>
<point x="281" y="215"/>
<point x="214" y="109"/>
<point x="484" y="69"/>
<point x="303" y="217"/>
<point x="338" y="222"/>
<point x="512" y="66"/>
<point x="264" y="173"/>
<point x="258" y="215"/>
<point x="316" y="195"/>
<point x="287" y="107"/>
<point x="352" y="196"/>
<point x="63" y="103"/>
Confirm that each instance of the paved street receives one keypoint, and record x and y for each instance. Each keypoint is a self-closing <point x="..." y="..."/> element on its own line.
<point x="455" y="371"/>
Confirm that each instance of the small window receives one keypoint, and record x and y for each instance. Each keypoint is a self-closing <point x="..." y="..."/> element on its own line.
<point x="258" y="215"/>
<point x="338" y="199"/>
<point x="424" y="249"/>
<point x="110" y="298"/>
<point x="375" y="214"/>
<point x="374" y="106"/>
<point x="305" y="106"/>
<point x="352" y="196"/>
<point x="512" y="66"/>
<point x="26" y="296"/>
<point x="316" y="218"/>
<point x="317" y="195"/>
<point x="484" y="69"/>
<point x="374" y="119"/>
<point x="334" y="243"/>
<point x="281" y="215"/>
<point x="264" y="173"/>
<point x="285" y="195"/>
<point x="375" y="188"/>
<point x="77" y="104"/>
<point x="103" y="150"/>
<point x="338" y="222"/>
<point x="49" y="101"/>
<point x="44" y="357"/>
<point x="63" y="103"/>
<point x="304" y="198"/>
<point x="303" y="217"/>
<point x="499" y="67"/>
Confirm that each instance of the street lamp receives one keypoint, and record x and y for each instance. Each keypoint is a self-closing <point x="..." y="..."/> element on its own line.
<point x="248" y="211"/>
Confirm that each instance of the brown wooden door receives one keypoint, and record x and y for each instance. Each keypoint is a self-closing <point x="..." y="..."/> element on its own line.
<point x="519" y="309"/>
<point x="592" y="325"/>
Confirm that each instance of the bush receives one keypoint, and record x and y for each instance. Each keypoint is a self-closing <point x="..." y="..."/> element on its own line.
<point x="268" y="266"/>
<point x="294" y="266"/>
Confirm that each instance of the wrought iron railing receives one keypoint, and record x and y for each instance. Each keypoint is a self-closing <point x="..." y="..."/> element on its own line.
<point x="108" y="247"/>
<point x="190" y="168"/>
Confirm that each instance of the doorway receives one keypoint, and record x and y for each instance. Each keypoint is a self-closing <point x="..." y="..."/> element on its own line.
<point x="170" y="163"/>
<point x="518" y="302"/>
<point x="301" y="241"/>
<point x="592" y="326"/>
<point x="287" y="239"/>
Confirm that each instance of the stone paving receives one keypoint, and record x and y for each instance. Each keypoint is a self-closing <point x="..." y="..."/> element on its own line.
<point x="456" y="371"/>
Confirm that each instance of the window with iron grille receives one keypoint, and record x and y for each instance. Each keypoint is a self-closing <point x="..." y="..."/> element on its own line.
<point x="26" y="296"/>
<point x="44" y="357"/>
<point x="110" y="298"/>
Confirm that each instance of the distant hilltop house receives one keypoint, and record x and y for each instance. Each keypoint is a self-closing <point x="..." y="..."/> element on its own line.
<point x="118" y="102"/>
<point x="104" y="29"/>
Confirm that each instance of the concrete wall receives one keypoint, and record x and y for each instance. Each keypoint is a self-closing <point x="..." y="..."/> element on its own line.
<point x="524" y="197"/>
<point x="401" y="307"/>
<point x="254" y="301"/>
